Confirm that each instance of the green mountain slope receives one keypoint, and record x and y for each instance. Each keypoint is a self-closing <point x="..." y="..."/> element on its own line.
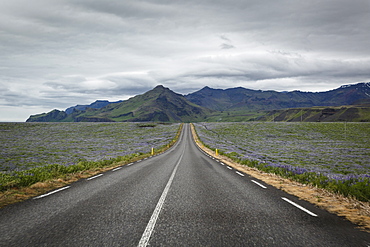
<point x="352" y="113"/>
<point x="160" y="105"/>
<point x="53" y="116"/>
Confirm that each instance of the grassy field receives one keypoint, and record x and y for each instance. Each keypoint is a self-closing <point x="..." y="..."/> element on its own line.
<point x="34" y="152"/>
<point x="335" y="156"/>
<point x="27" y="145"/>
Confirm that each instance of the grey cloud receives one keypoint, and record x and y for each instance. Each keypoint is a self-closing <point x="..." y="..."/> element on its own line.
<point x="223" y="37"/>
<point x="118" y="86"/>
<point x="63" y="51"/>
<point x="226" y="46"/>
<point x="281" y="66"/>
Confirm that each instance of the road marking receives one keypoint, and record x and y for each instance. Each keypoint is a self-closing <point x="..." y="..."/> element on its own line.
<point x="241" y="174"/>
<point x="129" y="164"/>
<point x="95" y="177"/>
<point x="300" y="207"/>
<point x="261" y="185"/>
<point x="228" y="167"/>
<point x="222" y="163"/>
<point x="52" y="192"/>
<point x="116" y="169"/>
<point x="150" y="227"/>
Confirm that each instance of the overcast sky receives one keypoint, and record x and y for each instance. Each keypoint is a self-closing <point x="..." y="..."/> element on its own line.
<point x="59" y="53"/>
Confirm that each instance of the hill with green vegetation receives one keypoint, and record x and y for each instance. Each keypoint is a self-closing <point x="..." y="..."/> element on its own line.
<point x="352" y="113"/>
<point x="159" y="105"/>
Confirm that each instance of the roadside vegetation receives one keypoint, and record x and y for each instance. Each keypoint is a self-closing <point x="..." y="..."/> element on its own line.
<point x="32" y="153"/>
<point x="333" y="156"/>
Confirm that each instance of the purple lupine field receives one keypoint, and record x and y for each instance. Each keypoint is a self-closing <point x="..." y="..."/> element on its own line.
<point x="340" y="151"/>
<point x="28" y="145"/>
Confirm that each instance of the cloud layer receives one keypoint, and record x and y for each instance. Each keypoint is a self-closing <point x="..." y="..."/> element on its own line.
<point x="59" y="53"/>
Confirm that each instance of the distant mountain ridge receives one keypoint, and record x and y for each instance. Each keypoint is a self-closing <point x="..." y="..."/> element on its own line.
<point x="234" y="104"/>
<point x="246" y="99"/>
<point x="97" y="105"/>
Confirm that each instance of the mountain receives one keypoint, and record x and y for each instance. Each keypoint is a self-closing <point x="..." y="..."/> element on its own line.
<point x="347" y="103"/>
<point x="236" y="99"/>
<point x="97" y="105"/>
<point x="53" y="116"/>
<point x="159" y="104"/>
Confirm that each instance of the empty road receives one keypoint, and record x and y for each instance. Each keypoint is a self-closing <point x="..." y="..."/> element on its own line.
<point x="179" y="198"/>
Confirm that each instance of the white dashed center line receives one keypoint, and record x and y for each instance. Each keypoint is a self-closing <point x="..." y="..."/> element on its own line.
<point x="144" y="241"/>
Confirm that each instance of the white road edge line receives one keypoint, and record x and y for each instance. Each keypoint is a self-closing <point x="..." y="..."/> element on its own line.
<point x="116" y="169"/>
<point x="222" y="163"/>
<point x="261" y="185"/>
<point x="241" y="174"/>
<point x="95" y="177"/>
<point x="129" y="164"/>
<point x="228" y="167"/>
<point x="300" y="207"/>
<point x="144" y="241"/>
<point x="52" y="192"/>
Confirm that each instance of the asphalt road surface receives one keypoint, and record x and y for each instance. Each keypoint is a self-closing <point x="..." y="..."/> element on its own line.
<point x="179" y="198"/>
